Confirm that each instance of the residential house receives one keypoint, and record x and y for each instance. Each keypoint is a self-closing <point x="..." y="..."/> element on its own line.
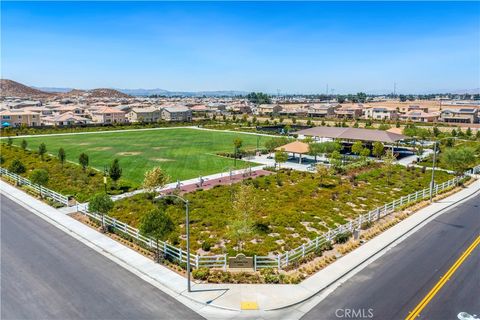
<point x="420" y="116"/>
<point x="322" y="110"/>
<point x="269" y="109"/>
<point x="17" y="118"/>
<point x="65" y="119"/>
<point x="176" y="114"/>
<point x="349" y="112"/>
<point x="108" y="115"/>
<point x="149" y="114"/>
<point x="406" y="109"/>
<point x="464" y="115"/>
<point x="380" y="113"/>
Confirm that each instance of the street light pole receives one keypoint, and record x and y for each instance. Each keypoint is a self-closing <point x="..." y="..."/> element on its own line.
<point x="187" y="226"/>
<point x="432" y="181"/>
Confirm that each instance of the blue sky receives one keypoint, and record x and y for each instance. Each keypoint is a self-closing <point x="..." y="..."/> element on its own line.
<point x="286" y="46"/>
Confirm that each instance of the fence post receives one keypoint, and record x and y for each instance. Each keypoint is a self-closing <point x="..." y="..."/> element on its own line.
<point x="286" y="257"/>
<point x="303" y="249"/>
<point x="316" y="245"/>
<point x="165" y="249"/>
<point x="255" y="262"/>
<point x="196" y="261"/>
<point x="279" y="266"/>
<point x="225" y="262"/>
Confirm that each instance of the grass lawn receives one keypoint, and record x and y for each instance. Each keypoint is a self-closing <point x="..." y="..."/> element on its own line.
<point x="293" y="207"/>
<point x="182" y="153"/>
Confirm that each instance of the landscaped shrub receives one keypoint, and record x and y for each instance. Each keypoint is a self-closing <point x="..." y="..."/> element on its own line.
<point x="206" y="245"/>
<point x="201" y="273"/>
<point x="342" y="237"/>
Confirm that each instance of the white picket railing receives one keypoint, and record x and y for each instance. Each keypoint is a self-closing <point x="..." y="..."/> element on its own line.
<point x="220" y="261"/>
<point x="286" y="258"/>
<point x="176" y="254"/>
<point x="45" y="192"/>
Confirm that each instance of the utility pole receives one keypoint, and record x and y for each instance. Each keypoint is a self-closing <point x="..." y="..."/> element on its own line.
<point x="394" y="89"/>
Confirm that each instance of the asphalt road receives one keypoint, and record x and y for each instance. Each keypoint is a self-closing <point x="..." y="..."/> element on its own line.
<point x="393" y="285"/>
<point x="47" y="274"/>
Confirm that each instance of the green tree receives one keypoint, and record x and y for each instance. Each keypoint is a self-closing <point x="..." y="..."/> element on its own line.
<point x="40" y="177"/>
<point x="17" y="167"/>
<point x="323" y="172"/>
<point x="83" y="161"/>
<point x="9" y="141"/>
<point x="102" y="204"/>
<point x="272" y="144"/>
<point x="244" y="208"/>
<point x="341" y="99"/>
<point x="389" y="165"/>
<point x="115" y="172"/>
<point x="2" y="160"/>
<point x="361" y="97"/>
<point x="258" y="98"/>
<point x="459" y="160"/>
<point x="280" y="157"/>
<point x="365" y="152"/>
<point x="237" y="144"/>
<point x="315" y="149"/>
<point x="468" y="132"/>
<point x="62" y="156"/>
<point x="378" y="149"/>
<point x="42" y="149"/>
<point x="157" y="225"/>
<point x="154" y="179"/>
<point x="24" y="144"/>
<point x="357" y="147"/>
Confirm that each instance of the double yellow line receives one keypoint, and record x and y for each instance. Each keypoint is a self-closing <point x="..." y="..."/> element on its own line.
<point x="443" y="280"/>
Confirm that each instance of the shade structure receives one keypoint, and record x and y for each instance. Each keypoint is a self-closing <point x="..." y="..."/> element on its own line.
<point x="294" y="147"/>
<point x="5" y="124"/>
<point x="352" y="134"/>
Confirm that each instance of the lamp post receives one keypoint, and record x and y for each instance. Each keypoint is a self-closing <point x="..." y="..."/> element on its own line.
<point x="432" y="181"/>
<point x="187" y="226"/>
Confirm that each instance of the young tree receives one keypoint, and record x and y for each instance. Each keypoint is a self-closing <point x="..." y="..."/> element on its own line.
<point x="272" y="144"/>
<point x="378" y="149"/>
<point x="389" y="165"/>
<point x="154" y="179"/>
<point x="83" y="160"/>
<point x="323" y="172"/>
<point x="40" y="177"/>
<point x="280" y="157"/>
<point x="62" y="156"/>
<point x="365" y="153"/>
<point x="157" y="225"/>
<point x="115" y="172"/>
<point x="2" y="160"/>
<point x="42" y="149"/>
<point x="315" y="149"/>
<point x="24" y="144"/>
<point x="357" y="147"/>
<point x="102" y="204"/>
<point x="459" y="160"/>
<point x="237" y="144"/>
<point x="17" y="167"/>
<point x="9" y="141"/>
<point x="468" y="132"/>
<point x="244" y="208"/>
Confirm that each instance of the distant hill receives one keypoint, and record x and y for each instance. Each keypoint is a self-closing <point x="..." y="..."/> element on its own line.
<point x="10" y="88"/>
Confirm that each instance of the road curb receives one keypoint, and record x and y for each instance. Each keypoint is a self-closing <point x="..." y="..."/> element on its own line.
<point x="381" y="251"/>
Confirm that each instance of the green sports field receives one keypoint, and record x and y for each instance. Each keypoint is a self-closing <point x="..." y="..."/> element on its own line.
<point x="183" y="153"/>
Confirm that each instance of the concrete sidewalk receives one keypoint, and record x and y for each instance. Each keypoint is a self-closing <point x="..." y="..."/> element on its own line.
<point x="224" y="300"/>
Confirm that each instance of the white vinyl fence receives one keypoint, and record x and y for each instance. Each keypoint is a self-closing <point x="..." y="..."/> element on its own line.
<point x="44" y="192"/>
<point x="176" y="254"/>
<point x="286" y="258"/>
<point x="220" y="261"/>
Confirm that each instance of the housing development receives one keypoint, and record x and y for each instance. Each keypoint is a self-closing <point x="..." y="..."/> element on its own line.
<point x="248" y="204"/>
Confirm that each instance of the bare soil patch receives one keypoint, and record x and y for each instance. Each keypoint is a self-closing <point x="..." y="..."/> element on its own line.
<point x="129" y="153"/>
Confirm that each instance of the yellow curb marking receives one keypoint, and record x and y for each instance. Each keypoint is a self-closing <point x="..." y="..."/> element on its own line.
<point x="416" y="312"/>
<point x="248" y="305"/>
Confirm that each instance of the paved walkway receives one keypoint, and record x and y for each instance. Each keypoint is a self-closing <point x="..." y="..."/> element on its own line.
<point x="194" y="181"/>
<point x="214" y="300"/>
